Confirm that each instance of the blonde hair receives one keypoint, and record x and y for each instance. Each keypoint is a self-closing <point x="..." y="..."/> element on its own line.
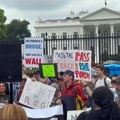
<point x="12" y="112"/>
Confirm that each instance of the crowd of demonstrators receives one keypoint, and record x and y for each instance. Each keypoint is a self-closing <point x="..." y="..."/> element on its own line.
<point x="13" y="112"/>
<point x="72" y="94"/>
<point x="104" y="106"/>
<point x="4" y="93"/>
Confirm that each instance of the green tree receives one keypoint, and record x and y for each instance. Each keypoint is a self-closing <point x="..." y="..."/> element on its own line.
<point x="17" y="30"/>
<point x="3" y="31"/>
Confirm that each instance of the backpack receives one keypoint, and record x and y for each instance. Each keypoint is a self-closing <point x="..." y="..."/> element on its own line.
<point x="79" y="104"/>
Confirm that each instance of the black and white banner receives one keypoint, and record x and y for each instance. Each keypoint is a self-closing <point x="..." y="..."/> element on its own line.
<point x="52" y="113"/>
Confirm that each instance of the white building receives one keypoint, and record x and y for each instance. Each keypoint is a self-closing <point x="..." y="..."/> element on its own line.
<point x="101" y="21"/>
<point x="104" y="20"/>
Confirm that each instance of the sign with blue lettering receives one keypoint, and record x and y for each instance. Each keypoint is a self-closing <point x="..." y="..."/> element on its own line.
<point x="33" y="52"/>
<point x="83" y="65"/>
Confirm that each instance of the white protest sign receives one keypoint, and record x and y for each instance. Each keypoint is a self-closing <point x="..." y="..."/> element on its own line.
<point x="33" y="52"/>
<point x="73" y="114"/>
<point x="83" y="65"/>
<point x="65" y="59"/>
<point x="44" y="113"/>
<point x="36" y="94"/>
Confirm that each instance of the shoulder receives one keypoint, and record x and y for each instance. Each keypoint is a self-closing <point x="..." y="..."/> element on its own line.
<point x="95" y="115"/>
<point x="108" y="79"/>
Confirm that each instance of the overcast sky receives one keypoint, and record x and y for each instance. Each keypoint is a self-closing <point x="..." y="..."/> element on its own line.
<point x="51" y="9"/>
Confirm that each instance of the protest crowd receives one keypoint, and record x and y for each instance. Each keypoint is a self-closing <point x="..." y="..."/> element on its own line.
<point x="56" y="90"/>
<point x="72" y="94"/>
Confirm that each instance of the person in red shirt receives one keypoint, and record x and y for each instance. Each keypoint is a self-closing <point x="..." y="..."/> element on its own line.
<point x="72" y="94"/>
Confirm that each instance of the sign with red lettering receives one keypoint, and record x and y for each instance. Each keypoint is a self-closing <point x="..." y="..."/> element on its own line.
<point x="36" y="94"/>
<point x="65" y="59"/>
<point x="83" y="65"/>
<point x="33" y="52"/>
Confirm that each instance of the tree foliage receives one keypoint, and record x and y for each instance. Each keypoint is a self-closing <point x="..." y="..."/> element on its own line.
<point x="17" y="30"/>
<point x="3" y="31"/>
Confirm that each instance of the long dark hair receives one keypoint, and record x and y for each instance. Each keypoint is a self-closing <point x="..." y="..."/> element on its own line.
<point x="104" y="98"/>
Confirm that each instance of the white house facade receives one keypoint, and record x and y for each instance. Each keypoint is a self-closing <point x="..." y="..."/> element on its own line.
<point x="102" y="21"/>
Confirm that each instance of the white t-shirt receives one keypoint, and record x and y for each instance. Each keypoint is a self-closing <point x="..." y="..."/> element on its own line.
<point x="100" y="82"/>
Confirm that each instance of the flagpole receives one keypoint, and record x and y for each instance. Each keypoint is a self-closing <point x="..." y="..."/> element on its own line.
<point x="105" y="3"/>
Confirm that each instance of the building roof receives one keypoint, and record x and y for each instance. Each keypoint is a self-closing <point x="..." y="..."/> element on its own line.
<point x="103" y="13"/>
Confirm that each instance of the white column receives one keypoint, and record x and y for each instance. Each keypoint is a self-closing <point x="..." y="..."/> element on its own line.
<point x="112" y="46"/>
<point x="97" y="45"/>
<point x="112" y="28"/>
<point x="81" y="30"/>
<point x="81" y="33"/>
<point x="96" y="29"/>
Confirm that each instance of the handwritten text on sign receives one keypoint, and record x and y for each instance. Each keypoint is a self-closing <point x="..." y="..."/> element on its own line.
<point x="83" y="65"/>
<point x="65" y="59"/>
<point x="33" y="52"/>
<point x="37" y="95"/>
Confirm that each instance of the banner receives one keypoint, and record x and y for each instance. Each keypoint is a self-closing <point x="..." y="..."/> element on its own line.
<point x="83" y="65"/>
<point x="33" y="52"/>
<point x="52" y="113"/>
<point x="65" y="59"/>
<point x="48" y="70"/>
<point x="36" y="94"/>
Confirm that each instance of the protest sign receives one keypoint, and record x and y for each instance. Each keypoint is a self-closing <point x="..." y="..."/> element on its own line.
<point x="65" y="59"/>
<point x="33" y="52"/>
<point x="36" y="94"/>
<point x="48" y="70"/>
<point x="51" y="113"/>
<point x="73" y="114"/>
<point x="83" y="65"/>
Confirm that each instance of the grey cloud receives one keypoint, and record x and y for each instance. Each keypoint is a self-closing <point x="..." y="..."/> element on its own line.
<point x="34" y="4"/>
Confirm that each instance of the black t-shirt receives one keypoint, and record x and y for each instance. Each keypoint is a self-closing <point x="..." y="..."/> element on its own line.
<point x="95" y="115"/>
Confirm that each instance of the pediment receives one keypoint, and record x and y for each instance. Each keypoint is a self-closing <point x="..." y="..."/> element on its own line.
<point x="101" y="14"/>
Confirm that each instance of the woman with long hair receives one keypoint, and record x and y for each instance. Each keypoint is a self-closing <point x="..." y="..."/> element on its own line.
<point x="104" y="106"/>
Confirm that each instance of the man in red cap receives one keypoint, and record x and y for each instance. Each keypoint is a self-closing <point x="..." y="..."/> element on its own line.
<point x="72" y="92"/>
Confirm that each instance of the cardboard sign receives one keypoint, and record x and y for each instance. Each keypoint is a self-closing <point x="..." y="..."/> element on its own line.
<point x="48" y="70"/>
<point x="65" y="59"/>
<point x="33" y="52"/>
<point x="36" y="94"/>
<point x="83" y="65"/>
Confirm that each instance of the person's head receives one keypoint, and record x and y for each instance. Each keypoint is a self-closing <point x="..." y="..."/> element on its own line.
<point x="68" y="76"/>
<point x="12" y="112"/>
<point x="36" y="75"/>
<point x="100" y="69"/>
<point x="114" y="77"/>
<point x="4" y="88"/>
<point x="28" y="72"/>
<point x="104" y="99"/>
<point x="116" y="83"/>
